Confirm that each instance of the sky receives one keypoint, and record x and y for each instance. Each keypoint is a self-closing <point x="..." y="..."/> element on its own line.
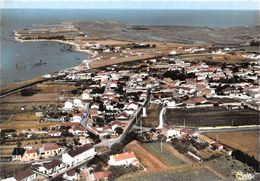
<point x="132" y="4"/>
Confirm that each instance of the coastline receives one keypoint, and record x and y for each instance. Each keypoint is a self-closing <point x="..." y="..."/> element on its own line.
<point x="76" y="47"/>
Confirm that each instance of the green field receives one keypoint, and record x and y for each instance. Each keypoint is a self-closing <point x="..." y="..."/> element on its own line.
<point x="166" y="156"/>
<point x="189" y="175"/>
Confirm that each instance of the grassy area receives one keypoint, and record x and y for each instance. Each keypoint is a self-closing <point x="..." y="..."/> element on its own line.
<point x="226" y="165"/>
<point x="25" y="125"/>
<point x="188" y="174"/>
<point x="9" y="169"/>
<point x="165" y="156"/>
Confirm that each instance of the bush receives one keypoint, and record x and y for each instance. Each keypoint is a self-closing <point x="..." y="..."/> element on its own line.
<point x="119" y="130"/>
<point x="117" y="148"/>
<point x="28" y="92"/>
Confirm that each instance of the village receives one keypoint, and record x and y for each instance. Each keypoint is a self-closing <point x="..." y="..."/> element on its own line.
<point x="98" y="124"/>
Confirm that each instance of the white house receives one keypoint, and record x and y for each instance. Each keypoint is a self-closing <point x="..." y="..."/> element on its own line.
<point x="173" y="52"/>
<point x="54" y="133"/>
<point x="25" y="175"/>
<point x="78" y="130"/>
<point x="133" y="106"/>
<point x="68" y="106"/>
<point x="127" y="158"/>
<point x="171" y="103"/>
<point x="129" y="111"/>
<point x="76" y="119"/>
<point x="51" y="167"/>
<point x="77" y="103"/>
<point x="94" y="106"/>
<point x="86" y="94"/>
<point x="78" y="154"/>
<point x="71" y="175"/>
<point x="173" y="132"/>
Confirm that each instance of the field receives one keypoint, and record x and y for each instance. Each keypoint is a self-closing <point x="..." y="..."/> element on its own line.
<point x="226" y="165"/>
<point x="152" y="119"/>
<point x="150" y="161"/>
<point x="8" y="169"/>
<point x="48" y="97"/>
<point x="246" y="141"/>
<point x="24" y="121"/>
<point x="166" y="156"/>
<point x="187" y="174"/>
<point x="215" y="116"/>
<point x="165" y="165"/>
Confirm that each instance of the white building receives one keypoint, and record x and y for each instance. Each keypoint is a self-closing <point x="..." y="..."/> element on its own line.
<point x="24" y="175"/>
<point x="173" y="133"/>
<point x="123" y="159"/>
<point x="68" y="106"/>
<point x="71" y="175"/>
<point x="77" y="103"/>
<point x="51" y="167"/>
<point x="86" y="94"/>
<point x="76" y="119"/>
<point x="79" y="154"/>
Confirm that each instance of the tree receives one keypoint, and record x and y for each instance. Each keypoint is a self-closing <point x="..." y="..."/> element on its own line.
<point x="28" y="92"/>
<point x="116" y="148"/>
<point x="153" y="130"/>
<point x="119" y="130"/>
<point x="100" y="122"/>
<point x="14" y="135"/>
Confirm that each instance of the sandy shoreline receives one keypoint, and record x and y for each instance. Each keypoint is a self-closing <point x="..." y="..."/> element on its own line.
<point x="76" y="47"/>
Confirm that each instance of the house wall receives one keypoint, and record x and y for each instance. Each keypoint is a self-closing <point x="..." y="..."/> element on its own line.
<point x="74" y="177"/>
<point x="66" y="158"/>
<point x="31" y="178"/>
<point x="49" y="153"/>
<point x="44" y="170"/>
<point x="16" y="157"/>
<point x="28" y="157"/>
<point x="121" y="162"/>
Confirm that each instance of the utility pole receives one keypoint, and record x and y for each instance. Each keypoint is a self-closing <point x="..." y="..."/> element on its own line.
<point x="141" y="126"/>
<point x="161" y="145"/>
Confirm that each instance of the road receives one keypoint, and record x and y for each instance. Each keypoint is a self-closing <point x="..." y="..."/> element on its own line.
<point x="130" y="125"/>
<point x="229" y="128"/>
<point x="161" y="118"/>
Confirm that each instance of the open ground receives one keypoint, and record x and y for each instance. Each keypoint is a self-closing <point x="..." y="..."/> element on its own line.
<point x="246" y="141"/>
<point x="211" y="117"/>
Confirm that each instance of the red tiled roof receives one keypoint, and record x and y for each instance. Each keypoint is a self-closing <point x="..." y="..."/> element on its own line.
<point x="52" y="132"/>
<point x="195" y="100"/>
<point x="51" y="147"/>
<point x="78" y="150"/>
<point x="187" y="131"/>
<point x="23" y="174"/>
<point x="52" y="164"/>
<point x="32" y="151"/>
<point x="79" y="128"/>
<point x="102" y="175"/>
<point x="71" y="173"/>
<point x="124" y="156"/>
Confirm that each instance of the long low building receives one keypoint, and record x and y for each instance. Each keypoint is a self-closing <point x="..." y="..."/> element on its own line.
<point x="79" y="154"/>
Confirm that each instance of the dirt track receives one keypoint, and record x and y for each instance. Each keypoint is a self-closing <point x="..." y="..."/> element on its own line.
<point x="151" y="162"/>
